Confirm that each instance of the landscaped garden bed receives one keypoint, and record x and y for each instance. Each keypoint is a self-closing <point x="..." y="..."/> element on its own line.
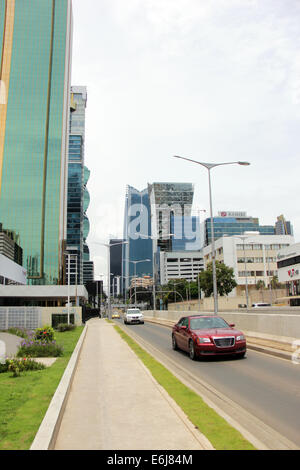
<point x="25" y="394"/>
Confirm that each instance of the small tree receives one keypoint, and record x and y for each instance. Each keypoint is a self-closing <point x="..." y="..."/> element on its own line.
<point x="225" y="279"/>
<point x="260" y="285"/>
<point x="275" y="284"/>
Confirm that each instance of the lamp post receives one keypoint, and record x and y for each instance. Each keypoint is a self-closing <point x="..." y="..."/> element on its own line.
<point x="209" y="166"/>
<point x="97" y="294"/>
<point x="125" y="293"/>
<point x="108" y="246"/>
<point x="243" y="238"/>
<point x="154" y="264"/>
<point x="135" y="263"/>
<point x="70" y="255"/>
<point x="266" y="249"/>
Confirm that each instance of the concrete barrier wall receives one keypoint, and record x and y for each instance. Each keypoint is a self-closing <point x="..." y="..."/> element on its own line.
<point x="274" y="324"/>
<point x="230" y="303"/>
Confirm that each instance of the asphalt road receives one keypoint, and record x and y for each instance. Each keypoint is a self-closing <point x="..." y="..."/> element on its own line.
<point x="267" y="387"/>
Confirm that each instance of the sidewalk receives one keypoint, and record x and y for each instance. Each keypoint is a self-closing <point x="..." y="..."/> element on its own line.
<point x="115" y="403"/>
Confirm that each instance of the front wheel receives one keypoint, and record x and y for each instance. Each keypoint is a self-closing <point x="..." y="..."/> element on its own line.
<point x="241" y="355"/>
<point x="192" y="350"/>
<point x="174" y="344"/>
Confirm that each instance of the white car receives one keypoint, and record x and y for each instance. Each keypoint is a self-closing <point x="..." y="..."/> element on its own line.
<point x="133" y="315"/>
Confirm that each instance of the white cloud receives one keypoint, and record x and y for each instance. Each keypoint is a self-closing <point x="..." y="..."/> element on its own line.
<point x="213" y="78"/>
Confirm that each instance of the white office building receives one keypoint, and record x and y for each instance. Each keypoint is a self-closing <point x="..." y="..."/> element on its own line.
<point x="181" y="265"/>
<point x="288" y="265"/>
<point x="252" y="256"/>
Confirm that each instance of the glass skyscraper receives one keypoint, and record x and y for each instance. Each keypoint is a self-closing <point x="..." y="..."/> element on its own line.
<point x="137" y="227"/>
<point x="234" y="225"/>
<point x="78" y="196"/>
<point x="186" y="234"/>
<point x="35" y="48"/>
<point x="168" y="200"/>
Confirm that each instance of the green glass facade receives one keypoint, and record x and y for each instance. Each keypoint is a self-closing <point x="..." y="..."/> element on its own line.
<point x="33" y="183"/>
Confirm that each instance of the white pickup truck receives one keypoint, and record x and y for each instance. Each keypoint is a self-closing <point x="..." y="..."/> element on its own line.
<point x="133" y="315"/>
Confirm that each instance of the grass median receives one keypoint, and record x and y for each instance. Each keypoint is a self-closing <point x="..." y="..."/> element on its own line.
<point x="221" y="435"/>
<point x="24" y="400"/>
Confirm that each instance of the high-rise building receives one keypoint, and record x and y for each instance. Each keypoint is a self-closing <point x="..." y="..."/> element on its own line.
<point x="168" y="200"/>
<point x="78" y="196"/>
<point x="283" y="227"/>
<point x="186" y="234"/>
<point x="9" y="246"/>
<point x="234" y="223"/>
<point x="88" y="264"/>
<point x="137" y="233"/>
<point x="35" y="49"/>
<point x="115" y="266"/>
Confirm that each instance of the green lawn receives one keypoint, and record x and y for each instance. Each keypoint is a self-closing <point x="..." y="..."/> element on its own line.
<point x="214" y="427"/>
<point x="24" y="400"/>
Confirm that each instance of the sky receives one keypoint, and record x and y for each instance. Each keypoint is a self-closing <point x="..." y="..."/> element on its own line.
<point x="212" y="80"/>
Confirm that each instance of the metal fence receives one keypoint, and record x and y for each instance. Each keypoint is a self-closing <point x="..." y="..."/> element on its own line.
<point x="21" y="317"/>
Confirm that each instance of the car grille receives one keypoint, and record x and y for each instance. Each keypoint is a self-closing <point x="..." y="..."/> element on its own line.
<point x="225" y="342"/>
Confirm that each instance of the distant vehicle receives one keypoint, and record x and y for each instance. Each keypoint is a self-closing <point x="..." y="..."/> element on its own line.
<point x="133" y="315"/>
<point x="115" y="315"/>
<point x="207" y="335"/>
<point x="261" y="304"/>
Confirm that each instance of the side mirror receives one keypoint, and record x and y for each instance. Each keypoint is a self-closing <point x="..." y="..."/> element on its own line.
<point x="232" y="325"/>
<point x="183" y="327"/>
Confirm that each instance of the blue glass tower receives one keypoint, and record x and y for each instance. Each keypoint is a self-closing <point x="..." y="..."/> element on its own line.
<point x="186" y="232"/>
<point x="226" y="225"/>
<point x="137" y="227"/>
<point x="78" y="196"/>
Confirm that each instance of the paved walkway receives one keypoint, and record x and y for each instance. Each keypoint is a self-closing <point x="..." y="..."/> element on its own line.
<point x="115" y="403"/>
<point x="11" y="344"/>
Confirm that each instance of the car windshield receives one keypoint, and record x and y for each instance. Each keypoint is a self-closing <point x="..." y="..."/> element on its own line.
<point x="134" y="311"/>
<point x="207" y="323"/>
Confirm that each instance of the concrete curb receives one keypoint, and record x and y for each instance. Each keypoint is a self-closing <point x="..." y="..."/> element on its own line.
<point x="46" y="435"/>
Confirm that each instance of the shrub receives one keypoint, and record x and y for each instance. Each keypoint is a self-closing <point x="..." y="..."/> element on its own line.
<point x="39" y="349"/>
<point x="17" y="366"/>
<point x="45" y="334"/>
<point x="20" y="331"/>
<point x="65" y="327"/>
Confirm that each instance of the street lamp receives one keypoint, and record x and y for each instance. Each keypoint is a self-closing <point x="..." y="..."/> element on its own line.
<point x="101" y="289"/>
<point x="108" y="246"/>
<point x="209" y="166"/>
<point x="135" y="263"/>
<point x="243" y="238"/>
<point x="266" y="254"/>
<point x="125" y="290"/>
<point x="70" y="255"/>
<point x="154" y="264"/>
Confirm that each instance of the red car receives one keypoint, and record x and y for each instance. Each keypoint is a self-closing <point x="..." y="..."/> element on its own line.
<point x="207" y="335"/>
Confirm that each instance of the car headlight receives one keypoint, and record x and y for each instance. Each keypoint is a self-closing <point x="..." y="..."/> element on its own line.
<point x="240" y="338"/>
<point x="203" y="340"/>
